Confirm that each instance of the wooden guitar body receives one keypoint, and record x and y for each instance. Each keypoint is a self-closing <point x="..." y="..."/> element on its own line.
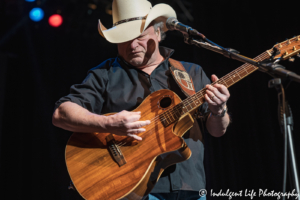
<point x="97" y="175"/>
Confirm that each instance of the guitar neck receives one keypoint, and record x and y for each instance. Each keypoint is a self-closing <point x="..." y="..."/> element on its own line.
<point x="193" y="102"/>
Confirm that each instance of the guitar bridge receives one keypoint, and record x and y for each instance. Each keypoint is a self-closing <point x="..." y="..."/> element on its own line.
<point x="114" y="150"/>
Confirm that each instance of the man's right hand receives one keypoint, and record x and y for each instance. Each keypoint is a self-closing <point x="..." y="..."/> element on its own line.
<point x="72" y="117"/>
<point x="126" y="124"/>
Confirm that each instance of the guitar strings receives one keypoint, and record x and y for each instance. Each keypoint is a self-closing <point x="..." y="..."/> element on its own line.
<point x="198" y="95"/>
<point x="203" y="91"/>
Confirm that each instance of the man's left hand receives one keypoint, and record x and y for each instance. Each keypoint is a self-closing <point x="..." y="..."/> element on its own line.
<point x="216" y="96"/>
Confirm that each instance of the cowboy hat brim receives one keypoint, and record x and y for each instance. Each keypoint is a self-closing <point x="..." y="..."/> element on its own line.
<point x="128" y="31"/>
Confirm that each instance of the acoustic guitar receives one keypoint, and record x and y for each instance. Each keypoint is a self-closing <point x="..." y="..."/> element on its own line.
<point x="109" y="167"/>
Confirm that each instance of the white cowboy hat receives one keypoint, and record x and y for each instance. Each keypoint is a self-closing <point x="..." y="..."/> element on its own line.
<point x="132" y="17"/>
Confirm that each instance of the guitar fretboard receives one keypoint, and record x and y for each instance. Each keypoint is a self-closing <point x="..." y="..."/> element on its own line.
<point x="193" y="102"/>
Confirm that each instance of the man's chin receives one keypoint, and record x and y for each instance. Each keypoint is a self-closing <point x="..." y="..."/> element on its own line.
<point x="137" y="62"/>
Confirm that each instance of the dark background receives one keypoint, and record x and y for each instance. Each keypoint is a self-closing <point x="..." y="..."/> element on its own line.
<point x="38" y="64"/>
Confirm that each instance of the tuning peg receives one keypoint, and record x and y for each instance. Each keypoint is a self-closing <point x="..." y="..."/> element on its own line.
<point x="291" y="59"/>
<point x="298" y="55"/>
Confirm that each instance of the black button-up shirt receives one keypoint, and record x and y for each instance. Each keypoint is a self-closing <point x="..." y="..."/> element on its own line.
<point x="115" y="85"/>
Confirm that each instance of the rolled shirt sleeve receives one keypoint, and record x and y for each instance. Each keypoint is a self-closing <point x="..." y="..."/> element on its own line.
<point x="89" y="94"/>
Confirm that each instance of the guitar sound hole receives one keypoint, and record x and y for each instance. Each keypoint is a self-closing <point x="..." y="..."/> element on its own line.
<point x="165" y="102"/>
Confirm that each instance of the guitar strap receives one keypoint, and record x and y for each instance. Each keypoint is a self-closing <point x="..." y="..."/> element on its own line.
<point x="185" y="83"/>
<point x="182" y="78"/>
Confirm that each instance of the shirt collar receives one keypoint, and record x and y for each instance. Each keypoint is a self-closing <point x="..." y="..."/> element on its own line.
<point x="166" y="52"/>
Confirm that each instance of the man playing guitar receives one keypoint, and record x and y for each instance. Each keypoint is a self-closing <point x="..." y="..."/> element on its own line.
<point x="119" y="85"/>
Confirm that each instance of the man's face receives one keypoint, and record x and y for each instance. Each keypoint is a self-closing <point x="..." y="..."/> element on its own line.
<point x="141" y="50"/>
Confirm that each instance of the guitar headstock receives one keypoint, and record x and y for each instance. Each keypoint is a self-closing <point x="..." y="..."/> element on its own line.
<point x="287" y="49"/>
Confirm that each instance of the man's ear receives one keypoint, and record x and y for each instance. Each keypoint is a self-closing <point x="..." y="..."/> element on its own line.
<point x="157" y="32"/>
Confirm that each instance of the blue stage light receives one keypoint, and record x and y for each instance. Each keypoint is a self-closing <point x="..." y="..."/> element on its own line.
<point x="36" y="14"/>
<point x="30" y="0"/>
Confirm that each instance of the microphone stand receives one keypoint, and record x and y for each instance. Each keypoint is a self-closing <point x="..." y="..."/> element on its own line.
<point x="286" y="122"/>
<point x="284" y="111"/>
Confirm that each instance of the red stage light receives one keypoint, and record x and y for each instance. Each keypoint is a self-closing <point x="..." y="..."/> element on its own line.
<point x="55" y="20"/>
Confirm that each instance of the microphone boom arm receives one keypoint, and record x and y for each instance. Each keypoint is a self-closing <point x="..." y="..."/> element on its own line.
<point x="264" y="67"/>
<point x="225" y="52"/>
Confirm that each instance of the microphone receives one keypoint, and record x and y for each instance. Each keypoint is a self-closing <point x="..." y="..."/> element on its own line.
<point x="173" y="24"/>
